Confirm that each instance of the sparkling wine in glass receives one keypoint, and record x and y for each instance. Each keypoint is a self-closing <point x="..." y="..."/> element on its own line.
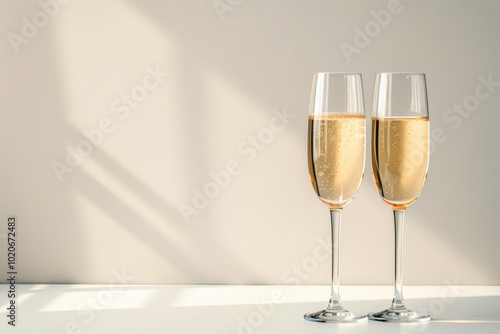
<point x="400" y="158"/>
<point x="336" y="156"/>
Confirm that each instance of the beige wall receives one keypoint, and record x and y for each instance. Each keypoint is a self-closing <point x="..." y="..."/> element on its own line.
<point x="229" y="75"/>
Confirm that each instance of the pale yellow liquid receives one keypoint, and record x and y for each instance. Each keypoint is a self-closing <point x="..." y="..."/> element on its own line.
<point x="336" y="155"/>
<point x="400" y="157"/>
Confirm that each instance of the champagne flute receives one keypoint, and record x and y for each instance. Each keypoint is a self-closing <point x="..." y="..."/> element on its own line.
<point x="400" y="158"/>
<point x="336" y="156"/>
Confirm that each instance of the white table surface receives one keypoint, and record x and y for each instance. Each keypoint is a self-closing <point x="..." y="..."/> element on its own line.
<point x="239" y="309"/>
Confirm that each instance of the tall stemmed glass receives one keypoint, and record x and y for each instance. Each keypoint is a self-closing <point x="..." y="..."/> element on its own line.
<point x="336" y="155"/>
<point x="400" y="157"/>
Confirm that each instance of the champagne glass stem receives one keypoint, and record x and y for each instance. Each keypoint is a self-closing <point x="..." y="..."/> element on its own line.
<point x="335" y="303"/>
<point x="398" y="301"/>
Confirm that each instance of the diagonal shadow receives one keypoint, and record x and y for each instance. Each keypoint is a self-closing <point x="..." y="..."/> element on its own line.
<point x="126" y="216"/>
<point x="143" y="230"/>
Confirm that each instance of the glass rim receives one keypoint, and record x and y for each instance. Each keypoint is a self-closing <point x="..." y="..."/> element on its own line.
<point x="400" y="73"/>
<point x="338" y="73"/>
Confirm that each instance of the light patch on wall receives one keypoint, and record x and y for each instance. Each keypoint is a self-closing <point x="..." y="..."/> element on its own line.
<point x="102" y="54"/>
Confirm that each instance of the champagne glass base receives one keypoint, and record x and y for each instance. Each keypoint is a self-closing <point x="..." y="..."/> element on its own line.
<point x="338" y="316"/>
<point x="399" y="315"/>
